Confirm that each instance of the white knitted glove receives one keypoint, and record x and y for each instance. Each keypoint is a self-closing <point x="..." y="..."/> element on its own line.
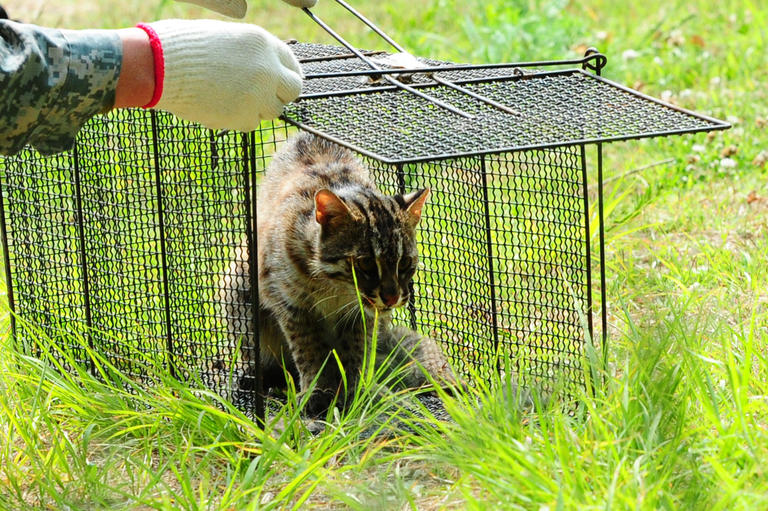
<point x="231" y="8"/>
<point x="222" y="75"/>
<point x="237" y="8"/>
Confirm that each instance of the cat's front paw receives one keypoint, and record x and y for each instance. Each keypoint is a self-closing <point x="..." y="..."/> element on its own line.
<point x="319" y="402"/>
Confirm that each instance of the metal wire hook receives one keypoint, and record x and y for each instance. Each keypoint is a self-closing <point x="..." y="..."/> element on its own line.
<point x="388" y="78"/>
<point x="433" y="76"/>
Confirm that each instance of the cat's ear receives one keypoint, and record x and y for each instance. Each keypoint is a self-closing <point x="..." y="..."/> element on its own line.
<point x="330" y="210"/>
<point x="414" y="203"/>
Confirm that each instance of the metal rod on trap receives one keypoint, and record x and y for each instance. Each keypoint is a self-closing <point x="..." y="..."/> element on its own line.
<point x="388" y="78"/>
<point x="441" y="81"/>
<point x="371" y="25"/>
<point x="428" y="69"/>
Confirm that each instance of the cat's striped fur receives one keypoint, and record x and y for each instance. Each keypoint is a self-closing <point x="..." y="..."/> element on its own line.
<point x="320" y="216"/>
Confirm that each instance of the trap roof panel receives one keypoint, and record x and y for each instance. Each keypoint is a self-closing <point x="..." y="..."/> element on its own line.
<point x="540" y="108"/>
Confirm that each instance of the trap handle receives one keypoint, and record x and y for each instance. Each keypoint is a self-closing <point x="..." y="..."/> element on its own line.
<point x="386" y="77"/>
<point x="441" y="81"/>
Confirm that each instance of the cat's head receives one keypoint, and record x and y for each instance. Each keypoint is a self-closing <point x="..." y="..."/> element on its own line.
<point x="374" y="236"/>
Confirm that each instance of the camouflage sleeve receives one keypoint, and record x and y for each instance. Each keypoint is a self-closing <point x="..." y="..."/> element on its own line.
<point x="52" y="82"/>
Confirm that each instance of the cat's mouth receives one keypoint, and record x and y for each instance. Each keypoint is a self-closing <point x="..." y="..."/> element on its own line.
<point x="373" y="305"/>
<point x="377" y="304"/>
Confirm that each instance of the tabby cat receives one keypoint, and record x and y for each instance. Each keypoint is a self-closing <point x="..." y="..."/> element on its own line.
<point x="319" y="218"/>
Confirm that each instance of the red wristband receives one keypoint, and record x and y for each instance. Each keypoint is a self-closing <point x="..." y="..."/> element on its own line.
<point x="157" y="55"/>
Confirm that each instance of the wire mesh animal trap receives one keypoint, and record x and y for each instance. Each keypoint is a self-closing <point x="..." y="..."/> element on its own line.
<point x="122" y="241"/>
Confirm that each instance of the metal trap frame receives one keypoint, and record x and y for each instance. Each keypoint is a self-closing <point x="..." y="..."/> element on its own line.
<point x="120" y="244"/>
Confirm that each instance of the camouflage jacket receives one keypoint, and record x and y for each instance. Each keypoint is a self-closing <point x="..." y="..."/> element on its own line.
<point x="52" y="82"/>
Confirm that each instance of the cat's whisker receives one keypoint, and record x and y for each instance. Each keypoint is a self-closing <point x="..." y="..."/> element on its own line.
<point x="321" y="300"/>
<point x="344" y="313"/>
<point x="327" y="298"/>
<point x="352" y="309"/>
<point x="345" y="309"/>
<point x="318" y="296"/>
<point x="318" y="302"/>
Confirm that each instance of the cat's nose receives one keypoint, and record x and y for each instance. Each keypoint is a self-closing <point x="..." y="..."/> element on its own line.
<point x="390" y="300"/>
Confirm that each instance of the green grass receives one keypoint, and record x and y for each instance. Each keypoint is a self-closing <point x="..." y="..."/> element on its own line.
<point x="680" y="417"/>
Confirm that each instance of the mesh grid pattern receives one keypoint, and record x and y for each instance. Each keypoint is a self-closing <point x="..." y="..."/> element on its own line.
<point x="161" y="219"/>
<point x="554" y="109"/>
<point x="40" y="211"/>
<point x="503" y="258"/>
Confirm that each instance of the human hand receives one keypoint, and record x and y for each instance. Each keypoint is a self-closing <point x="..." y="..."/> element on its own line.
<point x="301" y="3"/>
<point x="237" y="8"/>
<point x="220" y="74"/>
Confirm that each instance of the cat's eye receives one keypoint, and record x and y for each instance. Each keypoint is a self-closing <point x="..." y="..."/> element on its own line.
<point x="367" y="265"/>
<point x="407" y="266"/>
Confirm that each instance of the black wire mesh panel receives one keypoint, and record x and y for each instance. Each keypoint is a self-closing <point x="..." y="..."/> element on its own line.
<point x="122" y="242"/>
<point x="43" y="232"/>
<point x="505" y="260"/>
<point x="345" y="101"/>
<point x="553" y="109"/>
